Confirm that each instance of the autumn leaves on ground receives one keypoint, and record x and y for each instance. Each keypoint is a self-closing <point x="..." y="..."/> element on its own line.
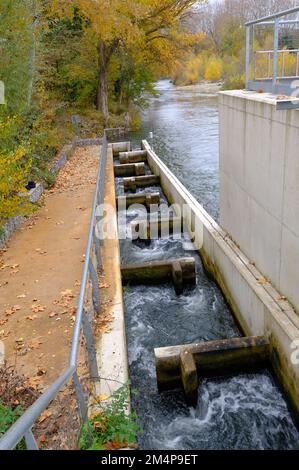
<point x="40" y="274"/>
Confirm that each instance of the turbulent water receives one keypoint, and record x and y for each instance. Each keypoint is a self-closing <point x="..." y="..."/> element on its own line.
<point x="240" y="412"/>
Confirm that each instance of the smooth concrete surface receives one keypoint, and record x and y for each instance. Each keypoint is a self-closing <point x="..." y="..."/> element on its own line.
<point x="258" y="307"/>
<point x="112" y="345"/>
<point x="259" y="184"/>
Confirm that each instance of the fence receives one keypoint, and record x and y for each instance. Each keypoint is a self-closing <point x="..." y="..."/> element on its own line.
<point x="273" y="70"/>
<point x="23" y="427"/>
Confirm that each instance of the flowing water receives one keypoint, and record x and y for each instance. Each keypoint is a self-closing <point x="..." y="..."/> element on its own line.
<point x="246" y="411"/>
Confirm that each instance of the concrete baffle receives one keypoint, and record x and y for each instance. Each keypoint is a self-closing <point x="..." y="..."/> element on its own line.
<point x="189" y="377"/>
<point x="212" y="359"/>
<point x="154" y="228"/>
<point x="137" y="156"/>
<point x="131" y="169"/>
<point x="145" y="199"/>
<point x="119" y="147"/>
<point x="131" y="184"/>
<point x="155" y="272"/>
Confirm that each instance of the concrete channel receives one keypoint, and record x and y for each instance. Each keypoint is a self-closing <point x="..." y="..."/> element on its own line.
<point x="268" y="330"/>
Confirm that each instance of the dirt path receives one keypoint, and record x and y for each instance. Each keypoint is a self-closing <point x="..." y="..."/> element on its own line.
<point x="40" y="273"/>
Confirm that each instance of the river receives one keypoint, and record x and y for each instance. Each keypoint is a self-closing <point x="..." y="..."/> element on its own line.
<point x="186" y="137"/>
<point x="246" y="411"/>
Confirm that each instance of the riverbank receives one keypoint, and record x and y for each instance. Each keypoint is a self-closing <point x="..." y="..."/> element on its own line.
<point x="202" y="87"/>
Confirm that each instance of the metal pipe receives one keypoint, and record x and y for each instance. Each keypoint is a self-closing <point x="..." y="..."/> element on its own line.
<point x="279" y="51"/>
<point x="275" y="55"/>
<point x="78" y="321"/>
<point x="282" y="23"/>
<point x="252" y="55"/>
<point x="18" y="430"/>
<point x="247" y="55"/>
<point x="274" y="16"/>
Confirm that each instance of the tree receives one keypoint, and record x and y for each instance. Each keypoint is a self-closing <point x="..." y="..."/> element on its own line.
<point x="148" y="30"/>
<point x="15" y="52"/>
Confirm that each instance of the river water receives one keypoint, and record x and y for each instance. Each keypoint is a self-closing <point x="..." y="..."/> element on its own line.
<point x="242" y="412"/>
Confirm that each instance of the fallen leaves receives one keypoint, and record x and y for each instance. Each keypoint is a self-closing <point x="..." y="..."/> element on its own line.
<point x="11" y="266"/>
<point x="35" y="344"/>
<point x="281" y="298"/>
<point x="68" y="293"/>
<point x="45" y="415"/>
<point x="263" y="281"/>
<point x="34" y="382"/>
<point x="104" y="285"/>
<point x="116" y="445"/>
<point x="38" y="308"/>
<point x="31" y="317"/>
<point x="104" y="322"/>
<point x="40" y="251"/>
<point x="53" y="314"/>
<point x="4" y="334"/>
<point x="102" y="397"/>
<point x="12" y="310"/>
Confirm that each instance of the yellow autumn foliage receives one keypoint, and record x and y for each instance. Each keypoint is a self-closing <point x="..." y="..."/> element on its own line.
<point x="214" y="70"/>
<point x="14" y="168"/>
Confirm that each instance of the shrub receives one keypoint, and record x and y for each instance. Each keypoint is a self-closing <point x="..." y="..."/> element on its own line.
<point x="14" y="170"/>
<point x="8" y="416"/>
<point x="214" y="70"/>
<point x="111" y="426"/>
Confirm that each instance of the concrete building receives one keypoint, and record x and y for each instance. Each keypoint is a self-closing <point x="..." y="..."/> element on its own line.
<point x="259" y="184"/>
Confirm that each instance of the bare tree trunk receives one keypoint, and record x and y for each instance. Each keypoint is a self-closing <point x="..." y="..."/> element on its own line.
<point x="102" y="92"/>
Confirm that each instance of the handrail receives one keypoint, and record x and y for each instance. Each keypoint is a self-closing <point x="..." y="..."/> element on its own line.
<point x="275" y="16"/>
<point x="22" y="427"/>
<point x="86" y="268"/>
<point x="271" y="83"/>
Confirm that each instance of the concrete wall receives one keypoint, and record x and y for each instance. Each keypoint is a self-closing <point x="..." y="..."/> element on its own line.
<point x="259" y="181"/>
<point x="112" y="344"/>
<point x="258" y="307"/>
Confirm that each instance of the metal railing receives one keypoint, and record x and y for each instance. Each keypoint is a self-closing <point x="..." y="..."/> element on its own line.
<point x="275" y="79"/>
<point x="23" y="427"/>
<point x="282" y="70"/>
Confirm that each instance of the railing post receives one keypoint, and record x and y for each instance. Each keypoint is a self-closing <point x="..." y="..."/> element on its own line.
<point x="31" y="443"/>
<point x="80" y="398"/>
<point x="247" y="55"/>
<point x="97" y="248"/>
<point x="252" y="54"/>
<point x="275" y="55"/>
<point x="91" y="350"/>
<point x="95" y="287"/>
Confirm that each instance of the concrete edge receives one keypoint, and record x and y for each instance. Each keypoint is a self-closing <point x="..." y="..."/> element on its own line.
<point x="111" y="346"/>
<point x="255" y="306"/>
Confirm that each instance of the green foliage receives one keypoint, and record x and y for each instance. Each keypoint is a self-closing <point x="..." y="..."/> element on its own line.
<point x="8" y="417"/>
<point x="111" y="426"/>
<point x="15" y="52"/>
<point x="15" y="167"/>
